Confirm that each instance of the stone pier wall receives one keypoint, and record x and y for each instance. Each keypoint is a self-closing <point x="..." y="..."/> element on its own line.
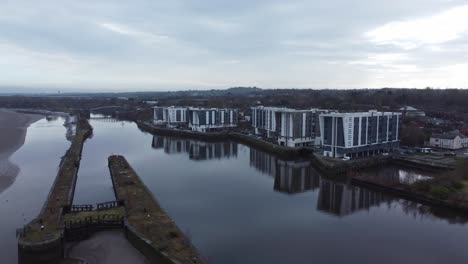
<point x="149" y="228"/>
<point x="41" y="241"/>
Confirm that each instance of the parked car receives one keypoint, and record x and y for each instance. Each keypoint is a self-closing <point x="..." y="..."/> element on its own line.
<point x="346" y="158"/>
<point x="450" y="154"/>
<point x="385" y="154"/>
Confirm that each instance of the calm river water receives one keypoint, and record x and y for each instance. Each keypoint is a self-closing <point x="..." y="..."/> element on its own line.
<point x="38" y="160"/>
<point x="241" y="205"/>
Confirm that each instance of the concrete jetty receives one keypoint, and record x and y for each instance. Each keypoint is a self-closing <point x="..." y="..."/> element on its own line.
<point x="148" y="227"/>
<point x="41" y="241"/>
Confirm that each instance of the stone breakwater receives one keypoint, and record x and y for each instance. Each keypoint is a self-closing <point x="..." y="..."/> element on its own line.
<point x="148" y="227"/>
<point x="41" y="241"/>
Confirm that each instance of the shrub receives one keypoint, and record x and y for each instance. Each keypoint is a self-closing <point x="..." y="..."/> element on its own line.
<point x="458" y="185"/>
<point x="439" y="192"/>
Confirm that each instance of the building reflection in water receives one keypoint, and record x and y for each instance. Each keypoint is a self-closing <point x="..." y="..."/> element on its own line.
<point x="334" y="197"/>
<point x="342" y="199"/>
<point x="295" y="177"/>
<point x="197" y="150"/>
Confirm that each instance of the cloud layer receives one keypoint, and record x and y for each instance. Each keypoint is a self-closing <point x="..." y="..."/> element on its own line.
<point x="167" y="45"/>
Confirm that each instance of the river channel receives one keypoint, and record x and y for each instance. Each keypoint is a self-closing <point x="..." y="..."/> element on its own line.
<point x="238" y="204"/>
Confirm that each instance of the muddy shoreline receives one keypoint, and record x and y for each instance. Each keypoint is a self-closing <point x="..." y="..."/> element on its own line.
<point x="13" y="128"/>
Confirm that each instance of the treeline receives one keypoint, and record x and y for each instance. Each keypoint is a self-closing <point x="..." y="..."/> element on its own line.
<point x="427" y="99"/>
<point x="54" y="103"/>
<point x="444" y="103"/>
<point x="438" y="101"/>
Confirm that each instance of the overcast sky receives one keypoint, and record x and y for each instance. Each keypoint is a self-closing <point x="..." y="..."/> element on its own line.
<point x="84" y="45"/>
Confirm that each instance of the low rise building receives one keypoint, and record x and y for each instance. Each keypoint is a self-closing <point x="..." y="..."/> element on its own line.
<point x="359" y="134"/>
<point x="289" y="127"/>
<point x="451" y="140"/>
<point x="410" y="111"/>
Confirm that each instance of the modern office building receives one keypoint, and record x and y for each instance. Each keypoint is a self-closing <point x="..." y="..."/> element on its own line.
<point x="289" y="127"/>
<point x="359" y="134"/>
<point x="170" y="115"/>
<point x="205" y="119"/>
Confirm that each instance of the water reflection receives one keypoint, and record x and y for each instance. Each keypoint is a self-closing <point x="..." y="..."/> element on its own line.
<point x="24" y="193"/>
<point x="227" y="205"/>
<point x="70" y="125"/>
<point x="342" y="199"/>
<point x="337" y="197"/>
<point x="197" y="150"/>
<point x="334" y="197"/>
<point x="295" y="177"/>
<point x="393" y="175"/>
<point x="291" y="176"/>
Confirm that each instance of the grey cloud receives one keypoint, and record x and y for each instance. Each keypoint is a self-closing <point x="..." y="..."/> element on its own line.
<point x="170" y="44"/>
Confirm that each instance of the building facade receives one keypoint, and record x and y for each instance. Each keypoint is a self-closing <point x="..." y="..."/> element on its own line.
<point x="202" y="119"/>
<point x="359" y="134"/>
<point x="197" y="119"/>
<point x="170" y="115"/>
<point x="289" y="127"/>
<point x="451" y="140"/>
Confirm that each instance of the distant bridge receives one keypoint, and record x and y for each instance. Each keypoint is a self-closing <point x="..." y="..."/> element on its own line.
<point x="110" y="107"/>
<point x="105" y="120"/>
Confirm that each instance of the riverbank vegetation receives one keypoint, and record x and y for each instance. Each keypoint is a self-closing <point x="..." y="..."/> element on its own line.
<point x="451" y="186"/>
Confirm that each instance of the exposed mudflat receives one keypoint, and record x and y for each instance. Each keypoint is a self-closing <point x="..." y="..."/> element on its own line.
<point x="13" y="127"/>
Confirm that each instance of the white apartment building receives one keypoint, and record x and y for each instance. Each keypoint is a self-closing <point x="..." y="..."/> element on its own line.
<point x="290" y="127"/>
<point x="359" y="134"/>
<point x="170" y="115"/>
<point x="198" y="119"/>
<point x="205" y="119"/>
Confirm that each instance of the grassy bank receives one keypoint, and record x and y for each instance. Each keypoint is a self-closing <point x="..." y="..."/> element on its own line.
<point x="450" y="186"/>
<point x="449" y="189"/>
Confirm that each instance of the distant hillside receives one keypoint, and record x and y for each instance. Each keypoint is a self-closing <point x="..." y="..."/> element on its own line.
<point x="242" y="90"/>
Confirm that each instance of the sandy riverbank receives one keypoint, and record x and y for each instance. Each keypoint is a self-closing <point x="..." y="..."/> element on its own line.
<point x="13" y="127"/>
